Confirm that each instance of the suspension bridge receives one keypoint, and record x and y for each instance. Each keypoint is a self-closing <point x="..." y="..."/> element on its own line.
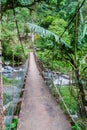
<point x="39" y="110"/>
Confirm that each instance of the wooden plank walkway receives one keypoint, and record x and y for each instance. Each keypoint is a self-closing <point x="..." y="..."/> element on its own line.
<point x="39" y="110"/>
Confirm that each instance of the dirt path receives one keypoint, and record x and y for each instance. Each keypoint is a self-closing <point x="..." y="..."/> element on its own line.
<point x="39" y="109"/>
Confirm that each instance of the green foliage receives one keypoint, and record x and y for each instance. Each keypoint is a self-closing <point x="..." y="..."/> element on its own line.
<point x="58" y="26"/>
<point x="62" y="14"/>
<point x="46" y="21"/>
<point x="10" y="39"/>
<point x="69" y="99"/>
<point x="23" y="3"/>
<point x="47" y="58"/>
<point x="18" y="54"/>
<point x="13" y="125"/>
<point x="75" y="127"/>
<point x="10" y="51"/>
<point x="6" y="81"/>
<point x="44" y="59"/>
<point x="48" y="34"/>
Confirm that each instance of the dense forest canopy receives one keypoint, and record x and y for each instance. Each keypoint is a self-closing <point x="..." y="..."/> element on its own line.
<point x="60" y="38"/>
<point x="8" y="4"/>
<point x="56" y="16"/>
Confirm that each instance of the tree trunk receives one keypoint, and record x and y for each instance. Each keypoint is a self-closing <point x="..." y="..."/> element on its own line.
<point x="81" y="95"/>
<point x="1" y="91"/>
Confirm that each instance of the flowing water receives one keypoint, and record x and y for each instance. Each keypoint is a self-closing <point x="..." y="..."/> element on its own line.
<point x="58" y="78"/>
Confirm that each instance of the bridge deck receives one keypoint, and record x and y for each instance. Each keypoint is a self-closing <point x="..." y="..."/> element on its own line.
<point x="39" y="110"/>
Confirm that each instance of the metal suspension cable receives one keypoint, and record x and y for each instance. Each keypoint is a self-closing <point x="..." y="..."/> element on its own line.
<point x="72" y="18"/>
<point x="14" y="13"/>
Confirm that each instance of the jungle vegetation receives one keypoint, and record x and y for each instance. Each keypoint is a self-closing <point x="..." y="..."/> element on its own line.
<point x="60" y="39"/>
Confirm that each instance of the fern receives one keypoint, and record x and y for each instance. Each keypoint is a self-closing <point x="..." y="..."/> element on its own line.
<point x="46" y="33"/>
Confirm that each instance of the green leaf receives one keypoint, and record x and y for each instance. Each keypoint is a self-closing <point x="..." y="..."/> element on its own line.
<point x="13" y="125"/>
<point x="46" y="33"/>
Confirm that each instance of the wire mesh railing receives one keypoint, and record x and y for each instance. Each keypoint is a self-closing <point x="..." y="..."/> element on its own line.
<point x="12" y="93"/>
